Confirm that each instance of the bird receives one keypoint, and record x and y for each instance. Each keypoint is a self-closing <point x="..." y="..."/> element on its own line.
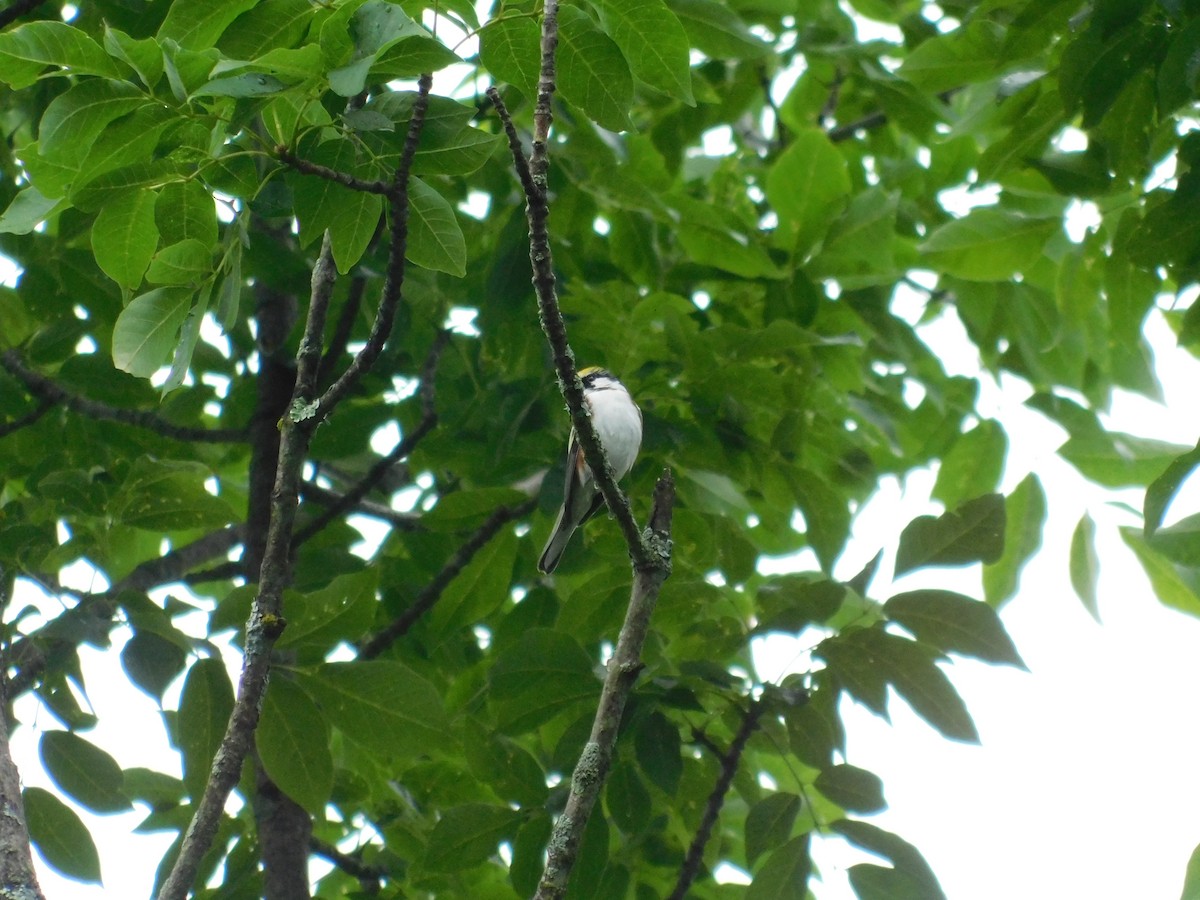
<point x="618" y="424"/>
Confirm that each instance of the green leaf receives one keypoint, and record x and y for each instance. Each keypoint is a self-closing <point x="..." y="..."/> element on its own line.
<point x="186" y="263"/>
<point x="1169" y="587"/>
<point x="435" y="240"/>
<point x="948" y="61"/>
<point x="903" y="855"/>
<point x="627" y="799"/>
<point x="185" y="210"/>
<point x="714" y="493"/>
<point x="74" y="120"/>
<point x="540" y="675"/>
<point x="717" y="31"/>
<point x="987" y="244"/>
<point x="972" y="533"/>
<point x="27" y="50"/>
<point x="147" y="330"/>
<point x="659" y="752"/>
<point x="1191" y="878"/>
<point x="479" y="589"/>
<point x="954" y="623"/>
<point x="1162" y="490"/>
<point x="808" y="182"/>
<point x="144" y="56"/>
<point x="152" y="662"/>
<point x="197" y="24"/>
<point x="815" y="729"/>
<point x="853" y="789"/>
<point x="168" y="495"/>
<point x="352" y="224"/>
<point x="248" y="84"/>
<point x="1025" y="517"/>
<point x="784" y="876"/>
<point x="1085" y="565"/>
<point x="60" y="837"/>
<point x="382" y="705"/>
<point x="865" y="661"/>
<point x="592" y="73"/>
<point x="973" y="466"/>
<point x="508" y="768"/>
<point x="457" y="154"/>
<point x="654" y="43"/>
<point x="467" y="835"/>
<point x="292" y="739"/>
<point x="342" y="611"/>
<point x="769" y="823"/>
<point x="83" y="771"/>
<point x="27" y="210"/>
<point x="204" y="708"/>
<point x="511" y="49"/>
<point x="124" y="237"/>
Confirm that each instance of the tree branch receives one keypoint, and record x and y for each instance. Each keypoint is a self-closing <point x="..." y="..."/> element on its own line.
<point x="341" y="333"/>
<point x="305" y="413"/>
<point x="398" y="627"/>
<point x="26" y="420"/>
<point x="17" y="877"/>
<point x="405" y="521"/>
<point x="95" y="611"/>
<point x="729" y="766"/>
<point x="622" y="672"/>
<point x="266" y="622"/>
<point x="48" y="391"/>
<point x="304" y="167"/>
<point x="397" y="196"/>
<point x="380" y="469"/>
<point x="369" y="876"/>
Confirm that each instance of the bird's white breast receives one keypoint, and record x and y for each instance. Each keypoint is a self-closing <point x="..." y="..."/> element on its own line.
<point x="619" y="425"/>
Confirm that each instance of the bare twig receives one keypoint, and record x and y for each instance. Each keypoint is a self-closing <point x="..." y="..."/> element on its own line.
<point x="406" y="521"/>
<point x="873" y="120"/>
<point x="729" y="766"/>
<point x="397" y="196"/>
<point x="48" y="391"/>
<point x="369" y="876"/>
<point x="26" y="420"/>
<point x="432" y="592"/>
<point x="17" y="877"/>
<point x="304" y="167"/>
<point x="380" y="469"/>
<point x="622" y="672"/>
<point x="10" y="14"/>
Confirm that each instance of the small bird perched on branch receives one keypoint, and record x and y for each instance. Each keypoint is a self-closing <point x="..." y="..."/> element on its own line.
<point x="618" y="424"/>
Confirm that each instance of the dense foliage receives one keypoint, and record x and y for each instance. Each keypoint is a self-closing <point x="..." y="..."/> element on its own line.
<point x="736" y="191"/>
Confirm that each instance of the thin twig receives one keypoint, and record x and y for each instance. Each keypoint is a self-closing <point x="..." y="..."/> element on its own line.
<point x="432" y="592"/>
<point x="621" y="673"/>
<point x="405" y="521"/>
<point x="304" y="167"/>
<point x="44" y="389"/>
<point x="397" y="196"/>
<point x="370" y="876"/>
<point x="873" y="120"/>
<point x="404" y="449"/>
<point x="729" y="766"/>
<point x="26" y="420"/>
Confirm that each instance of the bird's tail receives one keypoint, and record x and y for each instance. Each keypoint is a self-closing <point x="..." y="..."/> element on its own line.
<point x="556" y="544"/>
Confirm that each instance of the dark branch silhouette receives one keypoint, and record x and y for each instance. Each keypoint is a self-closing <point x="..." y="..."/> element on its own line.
<point x="432" y="592"/>
<point x="712" y="809"/>
<point x="48" y="391"/>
